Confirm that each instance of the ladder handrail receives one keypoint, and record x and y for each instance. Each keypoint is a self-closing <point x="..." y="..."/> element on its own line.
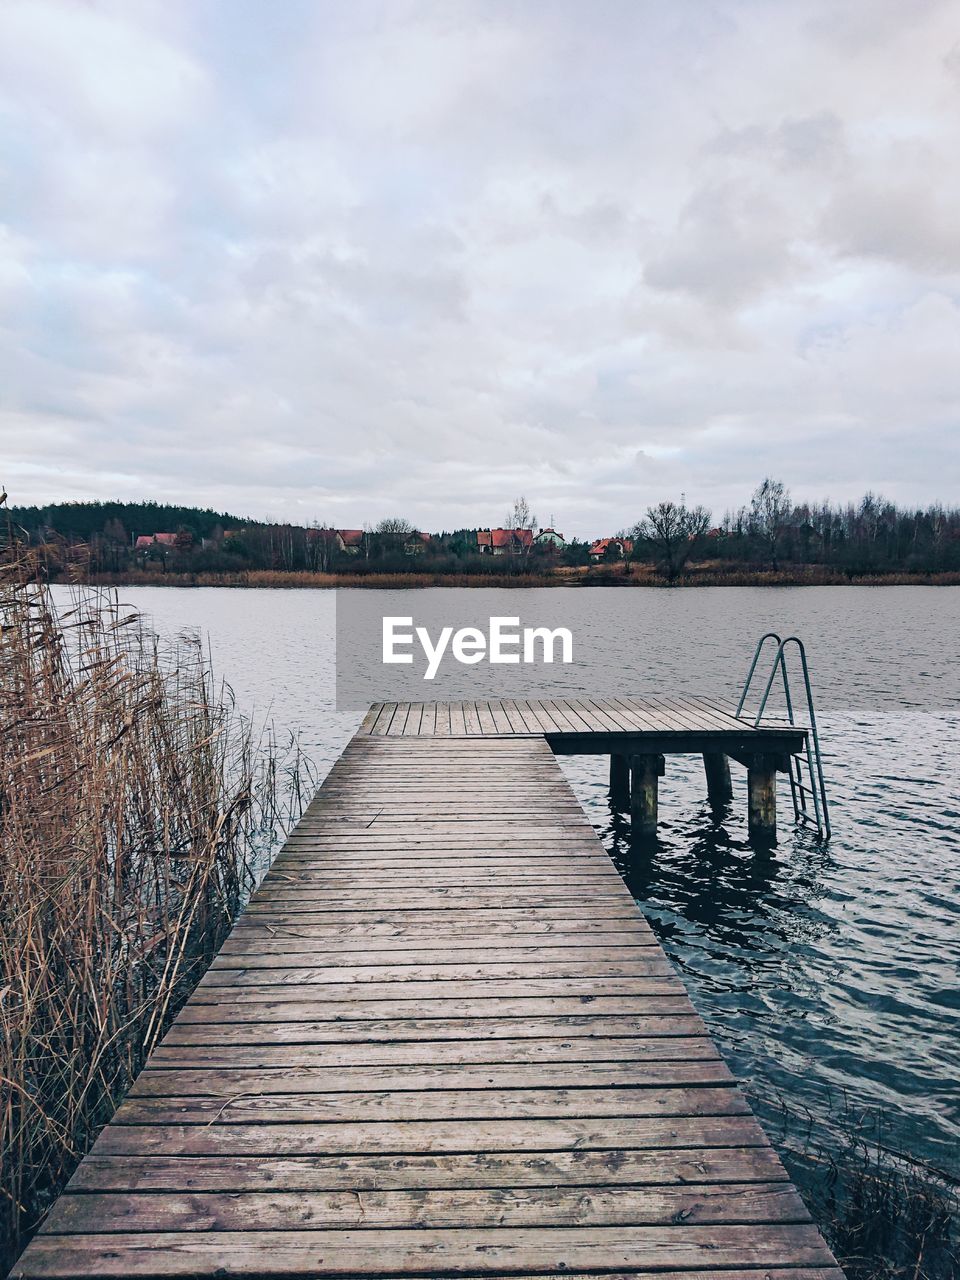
<point x="769" y="635"/>
<point x="818" y="788"/>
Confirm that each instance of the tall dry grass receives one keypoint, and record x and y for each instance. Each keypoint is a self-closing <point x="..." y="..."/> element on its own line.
<point x="715" y="574"/>
<point x="887" y="1215"/>
<point x="132" y="803"/>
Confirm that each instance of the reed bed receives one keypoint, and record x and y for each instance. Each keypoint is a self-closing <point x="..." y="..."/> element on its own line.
<point x="887" y="1215"/>
<point x="134" y="802"/>
<point x="615" y="575"/>
<point x="281" y="578"/>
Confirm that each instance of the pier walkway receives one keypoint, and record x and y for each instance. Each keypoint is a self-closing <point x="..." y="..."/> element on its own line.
<point x="441" y="1040"/>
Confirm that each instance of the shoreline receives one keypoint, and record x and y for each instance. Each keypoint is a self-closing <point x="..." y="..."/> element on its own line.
<point x="608" y="576"/>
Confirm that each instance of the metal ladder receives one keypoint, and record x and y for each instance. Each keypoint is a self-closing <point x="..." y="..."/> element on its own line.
<point x="813" y="788"/>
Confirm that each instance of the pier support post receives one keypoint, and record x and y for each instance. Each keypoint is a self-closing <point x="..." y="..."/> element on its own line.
<point x="619" y="781"/>
<point x="719" y="787"/>
<point x="762" y="797"/>
<point x="645" y="771"/>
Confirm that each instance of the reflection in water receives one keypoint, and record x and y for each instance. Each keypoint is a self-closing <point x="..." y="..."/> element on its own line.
<point x="727" y="886"/>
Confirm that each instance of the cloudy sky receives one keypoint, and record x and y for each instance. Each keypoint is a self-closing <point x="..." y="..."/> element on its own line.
<point x="337" y="261"/>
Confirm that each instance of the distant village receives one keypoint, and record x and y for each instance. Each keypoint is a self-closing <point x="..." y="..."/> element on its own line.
<point x="768" y="534"/>
<point x="363" y="543"/>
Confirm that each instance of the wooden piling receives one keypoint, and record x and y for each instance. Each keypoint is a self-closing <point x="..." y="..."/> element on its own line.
<point x="762" y="797"/>
<point x="717" y="768"/>
<point x="645" y="772"/>
<point x="619" y="781"/>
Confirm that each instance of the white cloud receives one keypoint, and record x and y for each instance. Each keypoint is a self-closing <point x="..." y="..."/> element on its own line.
<point x="334" y="262"/>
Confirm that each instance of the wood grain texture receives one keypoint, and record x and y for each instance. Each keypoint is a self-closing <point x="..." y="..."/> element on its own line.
<point x="649" y="717"/>
<point x="426" y="1251"/>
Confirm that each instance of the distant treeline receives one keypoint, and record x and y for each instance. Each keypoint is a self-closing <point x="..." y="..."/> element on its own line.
<point x="870" y="537"/>
<point x="85" y="521"/>
<point x="872" y="534"/>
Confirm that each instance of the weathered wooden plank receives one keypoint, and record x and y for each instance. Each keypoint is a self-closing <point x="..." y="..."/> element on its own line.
<point x="565" y="716"/>
<point x="460" y="919"/>
<point x="409" y="837"/>
<point x="597" y="715"/>
<point x="580" y="1168"/>
<point x="226" y="1054"/>
<point x="277" y="956"/>
<point x="413" y="946"/>
<point x="471" y="719"/>
<point x="303" y="1107"/>
<point x="317" y="975"/>
<point x="487" y="723"/>
<point x="640" y="1016"/>
<point x="370" y="719"/>
<point x="414" y="828"/>
<point x="467" y="928"/>
<point x="707" y="714"/>
<point x="539" y="708"/>
<point x="666" y="1043"/>
<point x="292" y="878"/>
<point x="298" y="1023"/>
<point x="426" y="1251"/>
<point x="529" y="713"/>
<point x="516" y="1207"/>
<point x="494" y="820"/>
<point x="495" y="867"/>
<point x="664" y="1061"/>
<point x="497" y="988"/>
<point x="449" y="900"/>
<point x="381" y="926"/>
<point x="441" y="898"/>
<point x="384" y="717"/>
<point x="672" y="1067"/>
<point x="440" y="1136"/>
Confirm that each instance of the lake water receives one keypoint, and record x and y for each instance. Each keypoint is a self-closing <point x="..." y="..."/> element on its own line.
<point x="825" y="974"/>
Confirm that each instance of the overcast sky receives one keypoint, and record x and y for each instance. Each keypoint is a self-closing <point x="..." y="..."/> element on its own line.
<point x="338" y="261"/>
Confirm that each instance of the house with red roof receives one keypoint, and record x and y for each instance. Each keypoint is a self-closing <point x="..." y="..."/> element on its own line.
<point x="504" y="542"/>
<point x="349" y="540"/>
<point x="147" y="541"/>
<point x="415" y="543"/>
<point x="611" y="549"/>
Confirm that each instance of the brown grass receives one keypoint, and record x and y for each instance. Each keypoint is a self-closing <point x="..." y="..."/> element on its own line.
<point x="885" y="1214"/>
<point x="280" y="578"/>
<point x="131" y="802"/>
<point x="715" y="574"/>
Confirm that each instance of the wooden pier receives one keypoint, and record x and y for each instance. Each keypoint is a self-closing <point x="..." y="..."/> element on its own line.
<point x="637" y="734"/>
<point x="442" y="1040"/>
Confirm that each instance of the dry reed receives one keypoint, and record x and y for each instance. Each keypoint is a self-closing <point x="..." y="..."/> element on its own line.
<point x="614" y="575"/>
<point x="886" y="1214"/>
<point x="133" y="801"/>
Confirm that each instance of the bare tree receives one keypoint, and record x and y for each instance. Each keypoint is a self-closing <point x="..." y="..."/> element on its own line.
<point x="396" y="525"/>
<point x="769" y="515"/>
<point x="521" y="517"/>
<point x="673" y="529"/>
<point x="389" y="536"/>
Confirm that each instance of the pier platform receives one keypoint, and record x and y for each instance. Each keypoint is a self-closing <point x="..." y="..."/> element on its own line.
<point x="442" y="1040"/>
